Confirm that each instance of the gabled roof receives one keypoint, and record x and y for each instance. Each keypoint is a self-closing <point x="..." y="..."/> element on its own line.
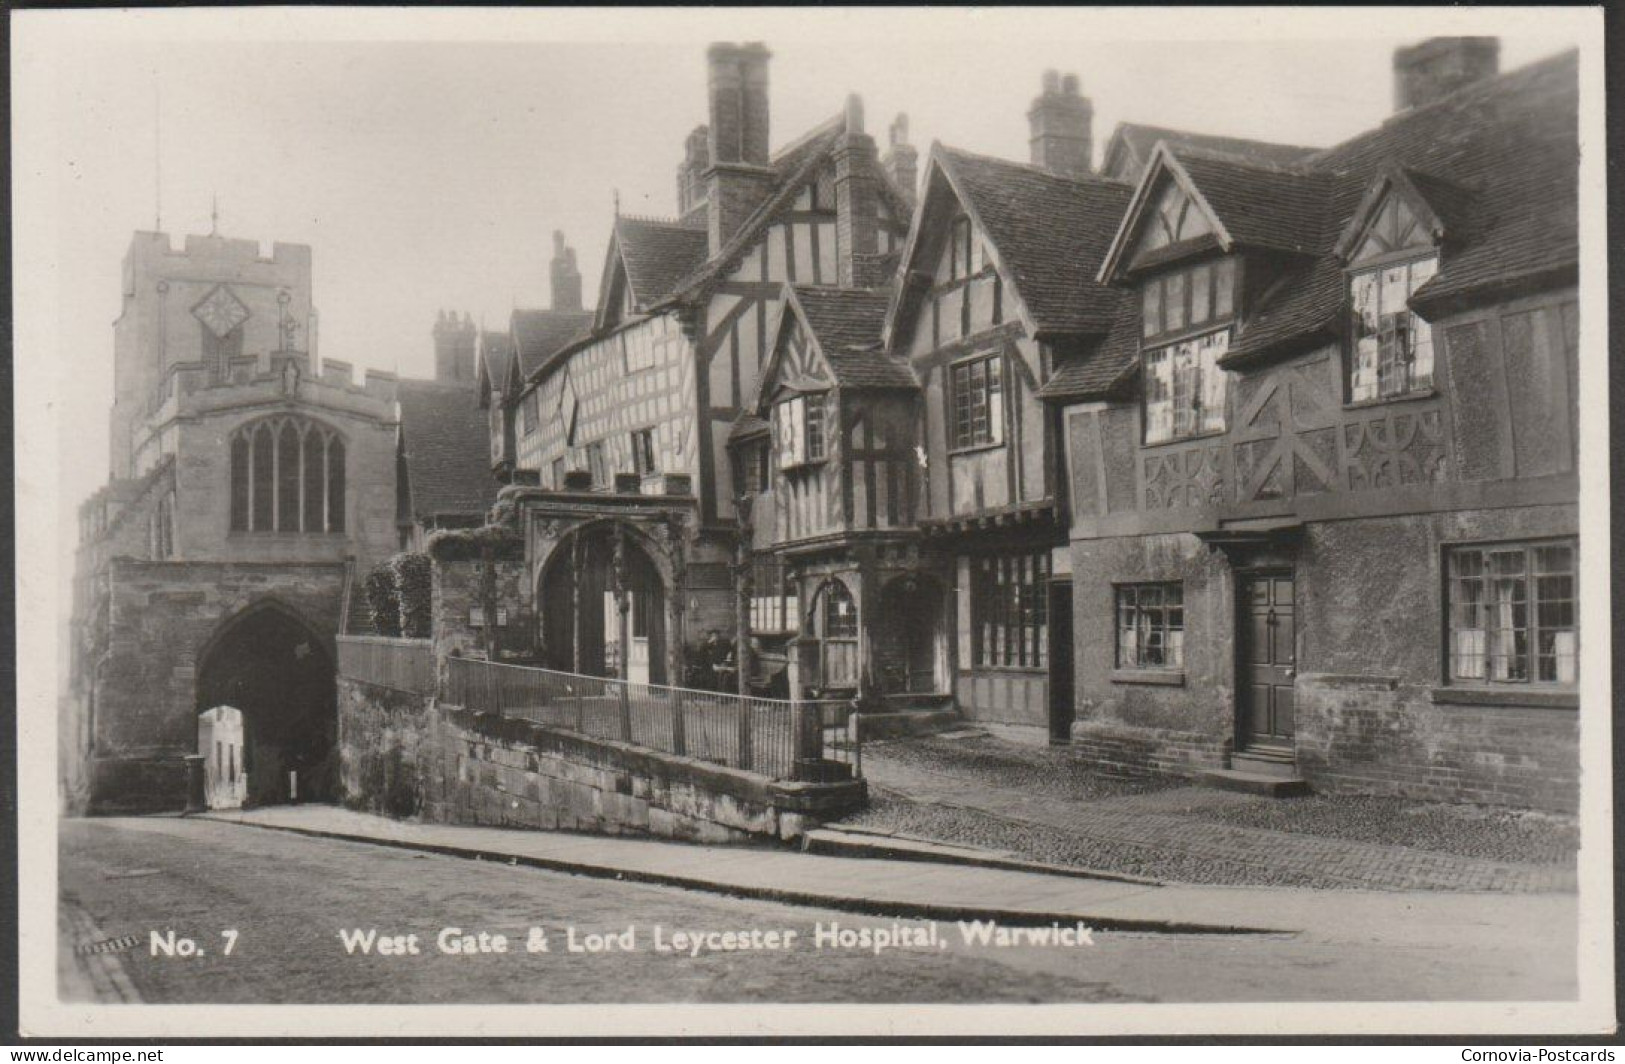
<point x="496" y="362"/>
<point x="1496" y="162"/>
<point x="446" y="444"/>
<point x="793" y="166"/>
<point x="1132" y="140"/>
<point x="846" y="325"/>
<point x="537" y="334"/>
<point x="655" y="255"/>
<point x="1047" y="234"/>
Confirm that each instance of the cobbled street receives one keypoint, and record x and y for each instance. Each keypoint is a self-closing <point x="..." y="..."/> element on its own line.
<point x="289" y="896"/>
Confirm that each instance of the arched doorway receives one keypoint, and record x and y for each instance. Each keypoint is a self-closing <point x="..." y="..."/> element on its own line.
<point x="910" y="646"/>
<point x="272" y="668"/>
<point x="580" y="626"/>
<point x="832" y="638"/>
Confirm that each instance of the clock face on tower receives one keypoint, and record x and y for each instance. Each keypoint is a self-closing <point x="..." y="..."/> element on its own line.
<point x="220" y="311"/>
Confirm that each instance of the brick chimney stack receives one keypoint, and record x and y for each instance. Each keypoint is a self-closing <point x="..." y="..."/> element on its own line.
<point x="1439" y="66"/>
<point x="1061" y="122"/>
<point x="902" y="160"/>
<point x="565" y="277"/>
<point x="739" y="177"/>
<point x="454" y="339"/>
<point x="691" y="191"/>
<point x="857" y="203"/>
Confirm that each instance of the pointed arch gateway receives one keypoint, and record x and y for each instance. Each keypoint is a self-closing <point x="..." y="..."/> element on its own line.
<point x="272" y="666"/>
<point x="577" y="594"/>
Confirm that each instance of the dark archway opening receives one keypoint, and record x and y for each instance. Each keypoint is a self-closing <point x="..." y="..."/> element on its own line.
<point x="576" y="600"/>
<point x="909" y="644"/>
<point x="270" y="665"/>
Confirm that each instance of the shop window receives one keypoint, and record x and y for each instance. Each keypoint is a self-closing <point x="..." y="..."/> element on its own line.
<point x="1151" y="626"/>
<point x="978" y="402"/>
<point x="1009" y="603"/>
<point x="1513" y="610"/>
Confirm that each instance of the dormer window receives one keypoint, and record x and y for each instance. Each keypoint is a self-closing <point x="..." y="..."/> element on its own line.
<point x="1390" y="348"/>
<point x="1185" y="319"/>
<point x="799" y="424"/>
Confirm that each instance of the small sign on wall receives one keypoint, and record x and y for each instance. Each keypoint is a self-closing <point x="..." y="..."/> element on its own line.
<point x="476" y="616"/>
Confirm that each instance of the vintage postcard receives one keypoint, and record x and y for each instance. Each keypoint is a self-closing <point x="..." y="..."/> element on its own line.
<point x="787" y="523"/>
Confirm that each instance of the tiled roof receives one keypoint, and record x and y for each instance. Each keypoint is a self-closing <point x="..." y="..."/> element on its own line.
<point x="447" y="445"/>
<point x="847" y="324"/>
<point x="1497" y="161"/>
<point x="539" y="333"/>
<point x="658" y="254"/>
<point x="1141" y="139"/>
<point x="496" y="355"/>
<point x="1259" y="205"/>
<point x="1050" y="232"/>
<point x="1101" y="371"/>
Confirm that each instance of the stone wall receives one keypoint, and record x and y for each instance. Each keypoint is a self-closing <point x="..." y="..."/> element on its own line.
<point x="404" y="756"/>
<point x="385" y="740"/>
<point x="162" y="616"/>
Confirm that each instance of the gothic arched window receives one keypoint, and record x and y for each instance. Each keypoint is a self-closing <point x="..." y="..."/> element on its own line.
<point x="287" y="475"/>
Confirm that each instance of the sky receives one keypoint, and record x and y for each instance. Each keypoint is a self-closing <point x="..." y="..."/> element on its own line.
<point x="427" y="156"/>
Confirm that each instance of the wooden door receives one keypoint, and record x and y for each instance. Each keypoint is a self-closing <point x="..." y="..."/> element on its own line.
<point x="1266" y="659"/>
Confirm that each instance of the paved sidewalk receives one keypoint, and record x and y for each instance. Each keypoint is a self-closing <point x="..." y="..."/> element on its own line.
<point x="936" y="891"/>
<point x="1273" y="855"/>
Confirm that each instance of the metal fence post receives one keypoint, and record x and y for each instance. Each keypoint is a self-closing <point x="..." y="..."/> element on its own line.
<point x="742" y="729"/>
<point x="679" y="738"/>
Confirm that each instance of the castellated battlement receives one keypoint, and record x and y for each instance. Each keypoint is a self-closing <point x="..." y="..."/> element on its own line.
<point x="192" y="389"/>
<point x="204" y="248"/>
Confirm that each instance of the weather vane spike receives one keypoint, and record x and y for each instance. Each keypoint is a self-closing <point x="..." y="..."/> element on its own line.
<point x="214" y="215"/>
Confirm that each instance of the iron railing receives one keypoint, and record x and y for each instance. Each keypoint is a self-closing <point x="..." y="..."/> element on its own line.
<point x="404" y="664"/>
<point x="767" y="736"/>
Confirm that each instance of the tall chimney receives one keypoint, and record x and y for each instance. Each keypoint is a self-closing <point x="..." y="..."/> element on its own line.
<point x="902" y="160"/>
<point x="691" y="171"/>
<point x="1061" y="123"/>
<point x="1439" y="66"/>
<point x="739" y="177"/>
<point x="564" y="275"/>
<point x="454" y="339"/>
<point x="857" y="203"/>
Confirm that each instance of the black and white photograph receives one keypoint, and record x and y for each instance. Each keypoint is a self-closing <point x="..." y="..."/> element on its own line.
<point x="788" y="523"/>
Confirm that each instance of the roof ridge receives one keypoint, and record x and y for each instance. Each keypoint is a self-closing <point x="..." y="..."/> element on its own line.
<point x="1152" y="128"/>
<point x="1483" y="87"/>
<point x="828" y="125"/>
<point x="1091" y="181"/>
<point x="1249" y="162"/>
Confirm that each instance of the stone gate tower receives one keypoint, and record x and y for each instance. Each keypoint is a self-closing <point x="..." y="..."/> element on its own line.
<point x="248" y="484"/>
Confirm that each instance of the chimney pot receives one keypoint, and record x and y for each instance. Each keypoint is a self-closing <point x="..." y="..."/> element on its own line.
<point x="1061" y="125"/>
<point x="854" y="114"/>
<point x="563" y="275"/>
<point x="1437" y="67"/>
<point x="737" y="175"/>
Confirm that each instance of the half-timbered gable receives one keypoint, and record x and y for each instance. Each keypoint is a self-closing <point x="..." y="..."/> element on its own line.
<point x="997" y="287"/>
<point x="632" y="422"/>
<point x="1319" y="404"/>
